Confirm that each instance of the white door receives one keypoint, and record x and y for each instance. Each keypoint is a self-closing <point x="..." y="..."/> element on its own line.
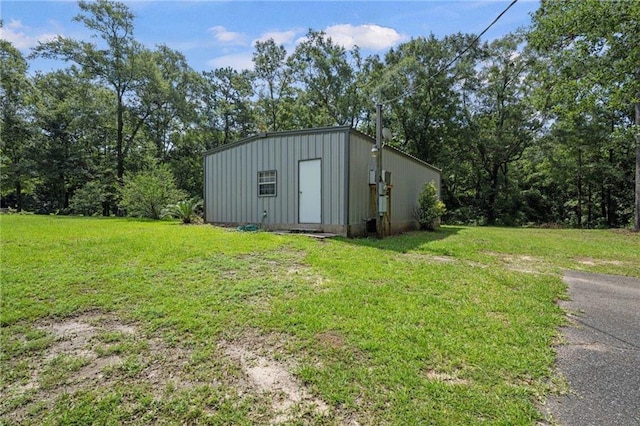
<point x="310" y="191"/>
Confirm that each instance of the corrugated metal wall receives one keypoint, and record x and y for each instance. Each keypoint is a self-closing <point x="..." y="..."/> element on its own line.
<point x="360" y="162"/>
<point x="408" y="176"/>
<point x="231" y="177"/>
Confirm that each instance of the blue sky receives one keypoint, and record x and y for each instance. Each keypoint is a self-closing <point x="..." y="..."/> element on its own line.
<point x="214" y="34"/>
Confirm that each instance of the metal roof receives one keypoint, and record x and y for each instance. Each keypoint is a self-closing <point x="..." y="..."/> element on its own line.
<point x="332" y="129"/>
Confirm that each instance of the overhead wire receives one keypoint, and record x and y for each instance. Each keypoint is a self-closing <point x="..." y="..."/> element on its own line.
<point x="451" y="62"/>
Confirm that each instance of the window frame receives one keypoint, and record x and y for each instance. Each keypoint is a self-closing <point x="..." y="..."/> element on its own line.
<point x="265" y="184"/>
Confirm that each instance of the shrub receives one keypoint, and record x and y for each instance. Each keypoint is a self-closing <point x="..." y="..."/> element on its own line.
<point x="187" y="211"/>
<point x="88" y="199"/>
<point x="429" y="209"/>
<point x="145" y="194"/>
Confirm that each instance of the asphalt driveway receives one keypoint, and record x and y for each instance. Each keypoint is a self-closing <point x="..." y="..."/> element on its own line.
<point x="601" y="355"/>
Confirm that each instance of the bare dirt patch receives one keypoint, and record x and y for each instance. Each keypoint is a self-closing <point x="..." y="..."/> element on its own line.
<point x="429" y="258"/>
<point x="88" y="356"/>
<point x="595" y="262"/>
<point x="265" y="375"/>
<point x="522" y="263"/>
<point x="90" y="351"/>
<point x="71" y="338"/>
<point x="331" y="339"/>
<point x="448" y="378"/>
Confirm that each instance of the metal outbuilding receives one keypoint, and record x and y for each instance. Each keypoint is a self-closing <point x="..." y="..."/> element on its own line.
<point x="312" y="180"/>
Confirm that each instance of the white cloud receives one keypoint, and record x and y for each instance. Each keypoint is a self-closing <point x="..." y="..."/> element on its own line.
<point x="368" y="36"/>
<point x="225" y="36"/>
<point x="279" y="37"/>
<point x="237" y="61"/>
<point x="16" y="33"/>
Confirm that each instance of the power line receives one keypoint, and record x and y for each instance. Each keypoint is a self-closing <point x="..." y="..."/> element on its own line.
<point x="448" y="64"/>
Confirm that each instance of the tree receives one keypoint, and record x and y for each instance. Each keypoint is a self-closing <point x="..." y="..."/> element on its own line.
<point x="503" y="125"/>
<point x="230" y="108"/>
<point x="185" y="160"/>
<point x="581" y="169"/>
<point x="16" y="132"/>
<point x="274" y="81"/>
<point x="329" y="92"/>
<point x="602" y="38"/>
<point x="422" y="99"/>
<point x="88" y="200"/>
<point x="73" y="136"/>
<point x="113" y="63"/>
<point x="148" y="192"/>
<point x="165" y="98"/>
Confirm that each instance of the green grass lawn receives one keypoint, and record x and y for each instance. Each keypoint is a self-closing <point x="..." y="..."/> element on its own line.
<point x="113" y="321"/>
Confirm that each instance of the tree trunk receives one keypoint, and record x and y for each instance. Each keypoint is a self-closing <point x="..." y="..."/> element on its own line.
<point x="120" y="141"/>
<point x="636" y="222"/>
<point x="606" y="205"/>
<point x="493" y="196"/>
<point x="18" y="195"/>
<point x="589" y="206"/>
<point x="579" y="206"/>
<point x="611" y="212"/>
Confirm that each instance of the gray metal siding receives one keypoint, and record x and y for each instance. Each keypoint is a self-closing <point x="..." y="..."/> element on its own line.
<point x="360" y="164"/>
<point x="408" y="175"/>
<point x="231" y="193"/>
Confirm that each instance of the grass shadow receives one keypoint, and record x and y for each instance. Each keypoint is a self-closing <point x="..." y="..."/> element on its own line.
<point x="402" y="243"/>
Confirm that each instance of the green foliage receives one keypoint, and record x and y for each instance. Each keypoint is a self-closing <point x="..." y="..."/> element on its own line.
<point x="228" y="96"/>
<point x="187" y="211"/>
<point x="429" y="105"/>
<point x="17" y="172"/>
<point x="430" y="209"/>
<point x="145" y="194"/>
<point x="121" y="107"/>
<point x="118" y="67"/>
<point x="274" y="82"/>
<point x="327" y="73"/>
<point x="88" y="199"/>
<point x="167" y="99"/>
<point x="591" y="86"/>
<point x="503" y="125"/>
<point x="72" y="112"/>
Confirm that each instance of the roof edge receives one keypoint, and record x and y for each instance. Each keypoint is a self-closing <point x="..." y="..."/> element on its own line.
<point x="265" y="135"/>
<point x="396" y="150"/>
<point x="411" y="157"/>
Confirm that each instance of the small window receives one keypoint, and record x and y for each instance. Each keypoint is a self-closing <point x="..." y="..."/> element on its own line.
<point x="267" y="184"/>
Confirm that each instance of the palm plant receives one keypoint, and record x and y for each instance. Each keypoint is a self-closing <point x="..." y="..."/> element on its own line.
<point x="187" y="211"/>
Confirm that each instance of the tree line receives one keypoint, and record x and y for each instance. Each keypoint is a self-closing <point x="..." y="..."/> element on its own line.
<point x="539" y="126"/>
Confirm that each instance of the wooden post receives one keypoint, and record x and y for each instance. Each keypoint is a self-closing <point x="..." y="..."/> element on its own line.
<point x="387" y="215"/>
<point x="373" y="198"/>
